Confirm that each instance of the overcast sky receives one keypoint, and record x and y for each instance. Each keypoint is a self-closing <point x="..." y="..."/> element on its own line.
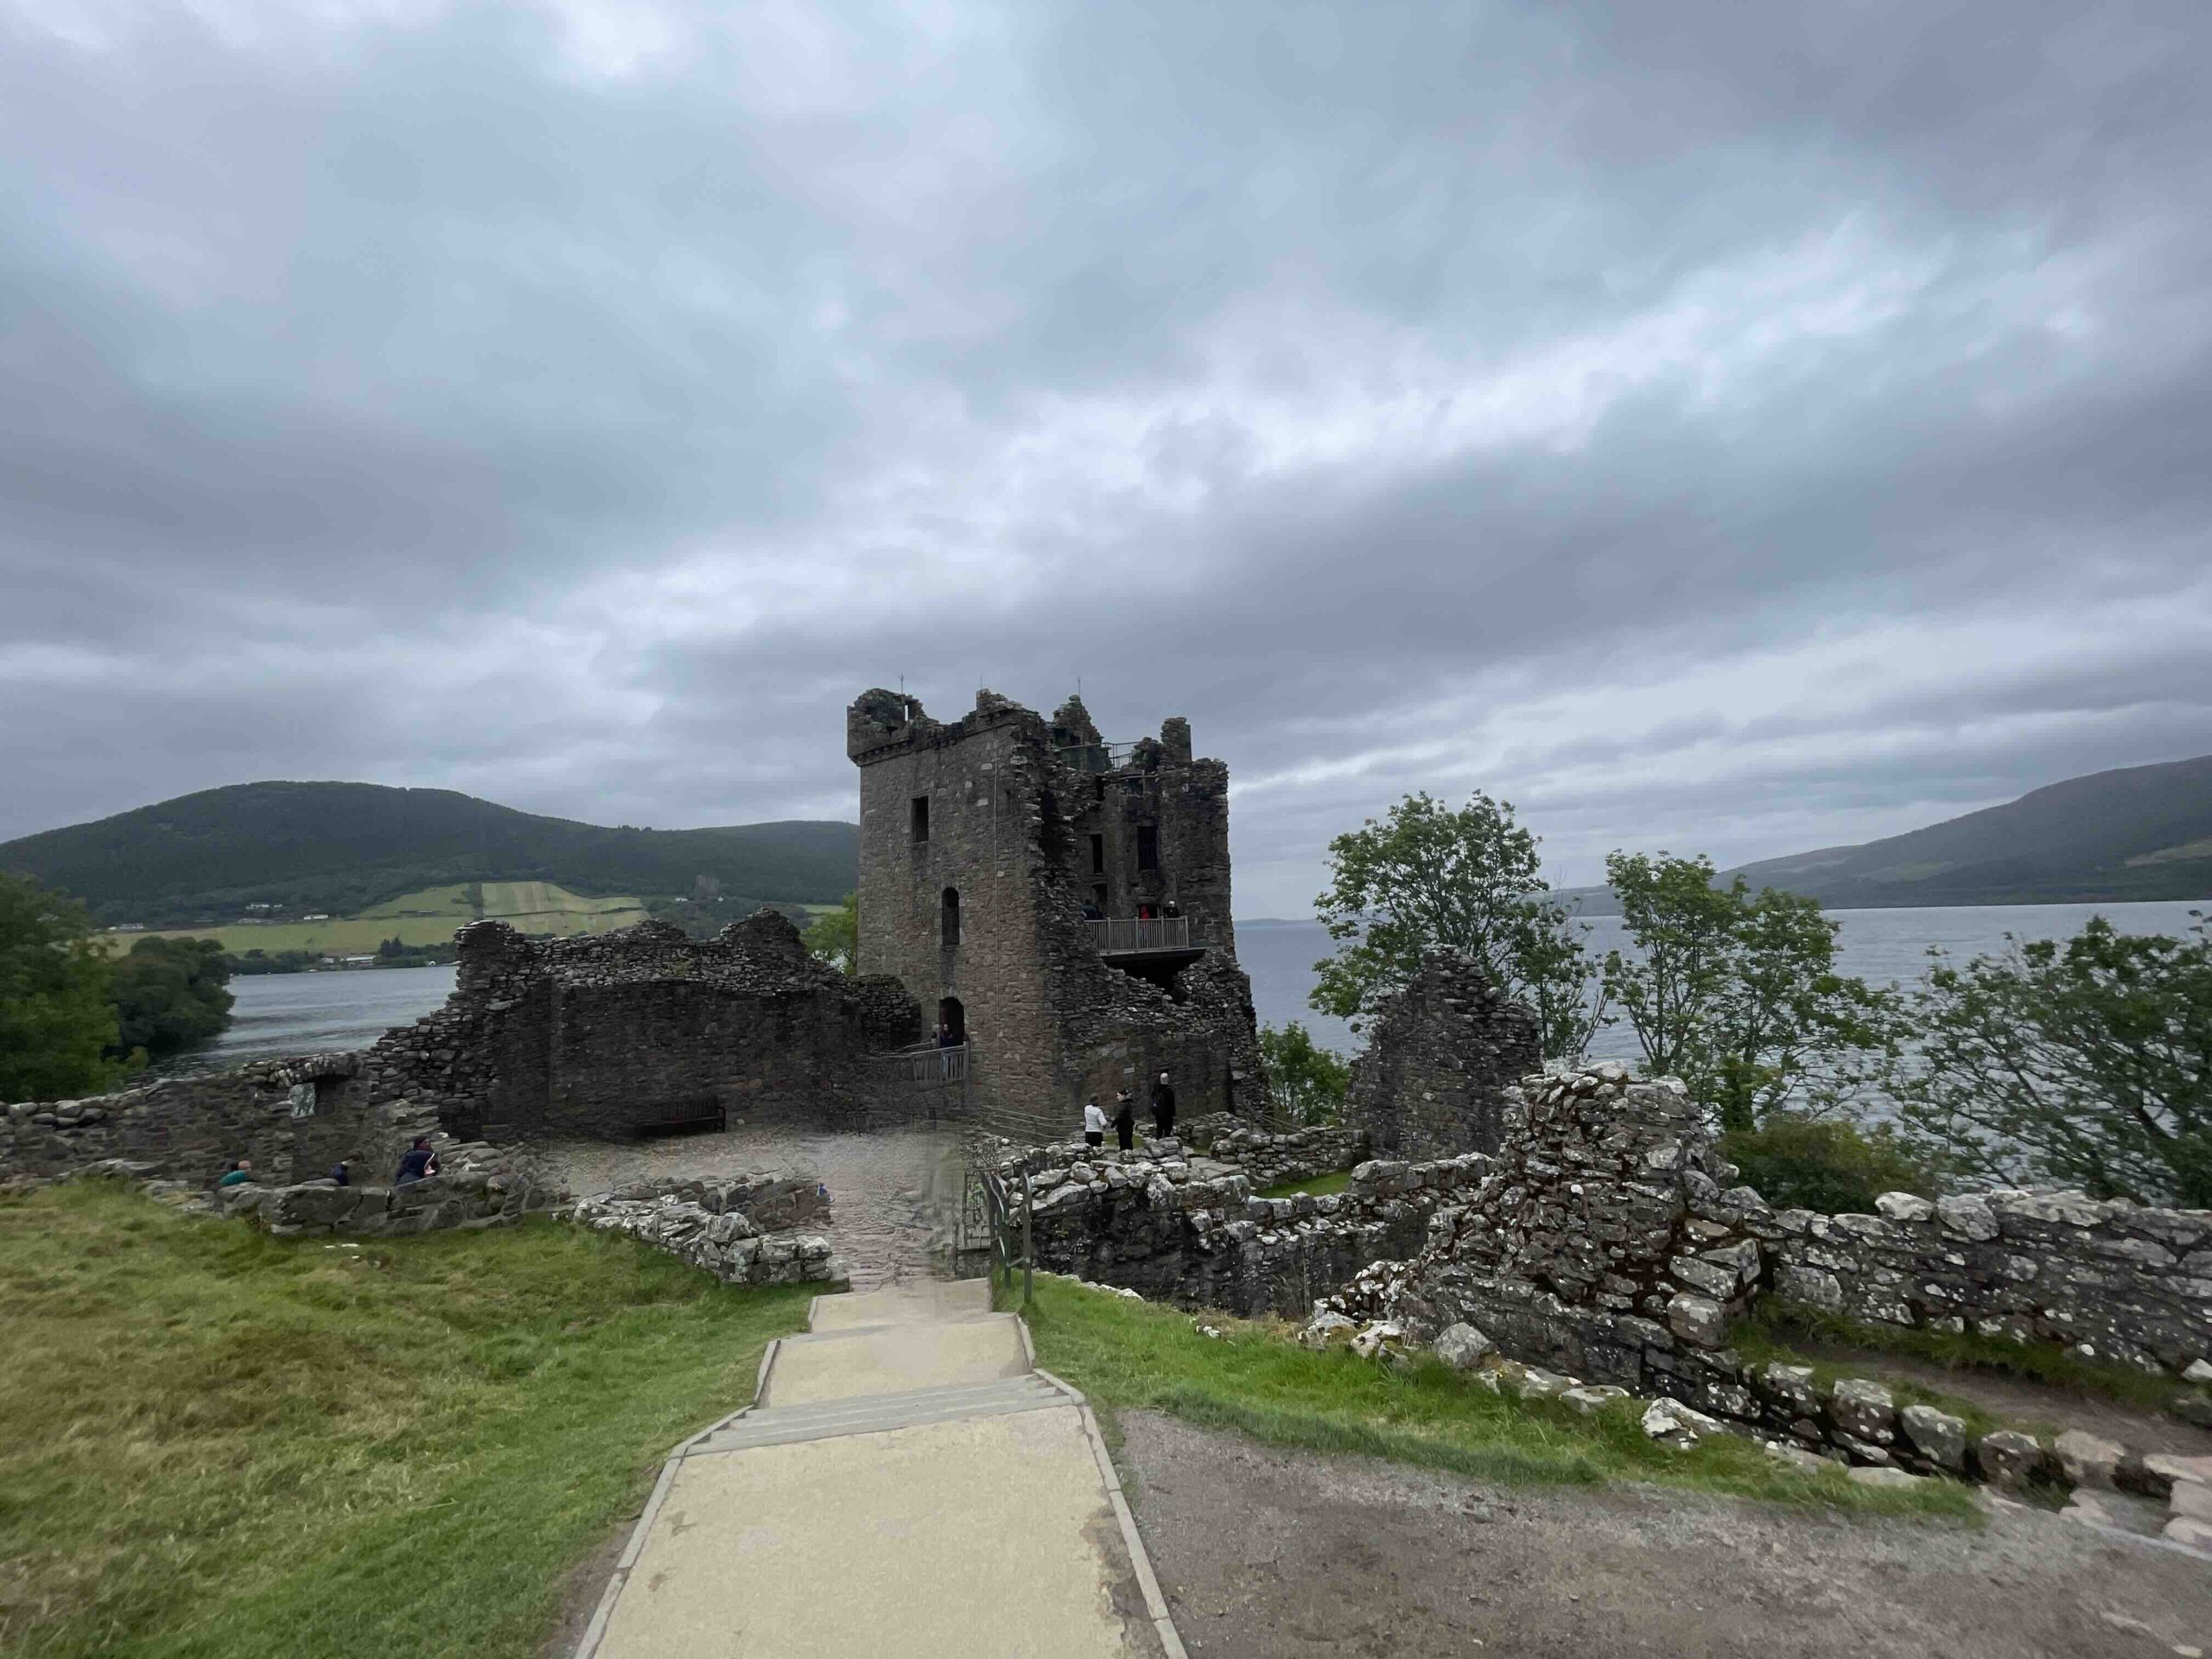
<point x="1722" y="427"/>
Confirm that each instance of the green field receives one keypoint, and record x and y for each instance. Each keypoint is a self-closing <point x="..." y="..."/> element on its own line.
<point x="216" y="1445"/>
<point x="427" y="917"/>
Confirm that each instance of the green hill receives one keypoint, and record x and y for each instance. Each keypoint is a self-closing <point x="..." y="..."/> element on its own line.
<point x="345" y="847"/>
<point x="2136" y="833"/>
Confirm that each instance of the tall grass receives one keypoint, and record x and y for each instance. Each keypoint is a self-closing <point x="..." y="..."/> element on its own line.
<point x="214" y="1443"/>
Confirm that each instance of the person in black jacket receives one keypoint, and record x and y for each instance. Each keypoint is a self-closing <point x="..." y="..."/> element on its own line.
<point x="1163" y="1108"/>
<point x="419" y="1164"/>
<point x="1125" y="1119"/>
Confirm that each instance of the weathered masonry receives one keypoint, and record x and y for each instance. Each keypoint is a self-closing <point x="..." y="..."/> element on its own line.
<point x="1060" y="905"/>
<point x="1447" y="1051"/>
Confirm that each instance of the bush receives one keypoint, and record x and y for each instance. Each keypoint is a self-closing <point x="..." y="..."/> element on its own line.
<point x="1799" y="1163"/>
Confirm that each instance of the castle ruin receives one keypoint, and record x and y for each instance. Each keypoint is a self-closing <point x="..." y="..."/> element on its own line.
<point x="1059" y="904"/>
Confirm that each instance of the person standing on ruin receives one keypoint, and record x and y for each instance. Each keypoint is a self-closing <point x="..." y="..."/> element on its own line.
<point x="1094" y="1123"/>
<point x="1125" y="1120"/>
<point x="1163" y="1108"/>
<point x="419" y="1164"/>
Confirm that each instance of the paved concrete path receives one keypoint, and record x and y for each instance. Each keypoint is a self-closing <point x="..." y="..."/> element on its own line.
<point x="906" y="1482"/>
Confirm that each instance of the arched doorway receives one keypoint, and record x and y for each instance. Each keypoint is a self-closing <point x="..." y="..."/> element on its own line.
<point x="949" y="920"/>
<point x="951" y="1022"/>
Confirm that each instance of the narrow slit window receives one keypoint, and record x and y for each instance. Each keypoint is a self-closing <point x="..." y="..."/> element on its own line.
<point x="949" y="919"/>
<point x="1098" y="855"/>
<point x="1147" y="846"/>
<point x="920" y="819"/>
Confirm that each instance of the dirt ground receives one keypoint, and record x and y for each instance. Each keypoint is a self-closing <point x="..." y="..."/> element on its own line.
<point x="1276" y="1555"/>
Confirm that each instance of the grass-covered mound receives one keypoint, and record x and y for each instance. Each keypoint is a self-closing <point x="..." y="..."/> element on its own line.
<point x="216" y="1443"/>
<point x="1253" y="1379"/>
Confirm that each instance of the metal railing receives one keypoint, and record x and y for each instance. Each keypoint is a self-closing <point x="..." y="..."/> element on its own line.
<point x="935" y="1065"/>
<point x="1141" y="933"/>
<point x="1095" y="757"/>
<point x="1007" y="1210"/>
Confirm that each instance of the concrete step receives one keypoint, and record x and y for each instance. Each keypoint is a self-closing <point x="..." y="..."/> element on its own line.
<point x="880" y="1359"/>
<point x="875" y="1413"/>
<point x="917" y="1302"/>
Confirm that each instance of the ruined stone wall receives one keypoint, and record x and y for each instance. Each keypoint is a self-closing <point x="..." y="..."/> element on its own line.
<point x="476" y="1187"/>
<point x="737" y="1230"/>
<point x="609" y="1034"/>
<point x="1606" y="1241"/>
<point x="1155" y="1226"/>
<point x="597" y="1036"/>
<point x="1443" y="1053"/>
<point x="293" y="1119"/>
<point x="2131" y="1284"/>
<point x="1049" y="1022"/>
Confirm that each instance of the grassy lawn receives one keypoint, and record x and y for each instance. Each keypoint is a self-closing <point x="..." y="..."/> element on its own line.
<point x="216" y="1443"/>
<point x="1335" y="1182"/>
<point x="1254" y="1380"/>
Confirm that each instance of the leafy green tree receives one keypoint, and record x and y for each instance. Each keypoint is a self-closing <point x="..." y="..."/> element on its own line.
<point x="1736" y="992"/>
<point x="1429" y="877"/>
<point x="835" y="935"/>
<point x="170" y="995"/>
<point x="2086" y="1062"/>
<point x="56" y="1021"/>
<point x="1306" y="1080"/>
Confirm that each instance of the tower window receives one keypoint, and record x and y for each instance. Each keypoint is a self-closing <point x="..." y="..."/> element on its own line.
<point x="920" y="820"/>
<point x="949" y="919"/>
<point x="1098" y="855"/>
<point x="1147" y="846"/>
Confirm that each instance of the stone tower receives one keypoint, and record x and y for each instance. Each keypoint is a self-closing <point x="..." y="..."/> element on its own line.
<point x="1061" y="903"/>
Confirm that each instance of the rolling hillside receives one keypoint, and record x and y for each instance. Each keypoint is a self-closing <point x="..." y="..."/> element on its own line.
<point x="348" y="848"/>
<point x="2136" y="833"/>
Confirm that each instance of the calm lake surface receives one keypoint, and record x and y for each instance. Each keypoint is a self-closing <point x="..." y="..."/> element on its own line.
<point x="301" y="1014"/>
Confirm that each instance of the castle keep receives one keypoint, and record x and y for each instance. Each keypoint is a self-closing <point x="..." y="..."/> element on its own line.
<point x="1060" y="905"/>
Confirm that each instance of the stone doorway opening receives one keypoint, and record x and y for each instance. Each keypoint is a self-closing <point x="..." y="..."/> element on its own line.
<point x="952" y="1021"/>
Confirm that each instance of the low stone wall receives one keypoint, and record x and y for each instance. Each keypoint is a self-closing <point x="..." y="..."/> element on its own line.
<point x="1269" y="1159"/>
<point x="294" y="1119"/>
<point x="1153" y="1225"/>
<point x="475" y="1188"/>
<point x="728" y="1243"/>
<point x="2122" y="1281"/>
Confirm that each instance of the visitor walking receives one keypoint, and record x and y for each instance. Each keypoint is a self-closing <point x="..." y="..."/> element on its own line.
<point x="1163" y="1108"/>
<point x="420" y="1163"/>
<point x="1125" y="1120"/>
<point x="1094" y="1123"/>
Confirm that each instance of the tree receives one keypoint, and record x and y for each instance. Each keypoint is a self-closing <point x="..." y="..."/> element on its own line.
<point x="835" y="935"/>
<point x="1736" y="992"/>
<point x="169" y="995"/>
<point x="391" y="950"/>
<point x="2086" y="1063"/>
<point x="1429" y="877"/>
<point x="56" y="1021"/>
<point x="1306" y="1080"/>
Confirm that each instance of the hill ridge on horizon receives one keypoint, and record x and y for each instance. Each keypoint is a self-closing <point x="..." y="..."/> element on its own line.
<point x="343" y="846"/>
<point x="2123" y="835"/>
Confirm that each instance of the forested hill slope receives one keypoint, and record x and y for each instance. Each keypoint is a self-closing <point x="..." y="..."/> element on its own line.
<point x="340" y="846"/>
<point x="2136" y="833"/>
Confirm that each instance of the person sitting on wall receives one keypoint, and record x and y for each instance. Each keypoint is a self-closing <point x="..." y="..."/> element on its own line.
<point x="1094" y="1123"/>
<point x="341" y="1173"/>
<point x="238" y="1174"/>
<point x="418" y="1164"/>
<point x="1125" y="1119"/>
<point x="1163" y="1108"/>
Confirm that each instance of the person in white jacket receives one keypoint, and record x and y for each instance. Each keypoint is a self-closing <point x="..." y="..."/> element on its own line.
<point x="1094" y="1123"/>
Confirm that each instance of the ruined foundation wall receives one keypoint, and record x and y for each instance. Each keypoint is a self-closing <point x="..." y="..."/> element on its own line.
<point x="1444" y="1051"/>
<point x="1152" y="1226"/>
<point x="1606" y="1241"/>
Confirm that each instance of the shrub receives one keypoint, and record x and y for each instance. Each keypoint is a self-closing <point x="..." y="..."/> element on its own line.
<point x="1836" y="1168"/>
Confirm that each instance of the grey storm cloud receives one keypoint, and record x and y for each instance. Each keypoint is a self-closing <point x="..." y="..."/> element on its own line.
<point x="1735" y="428"/>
